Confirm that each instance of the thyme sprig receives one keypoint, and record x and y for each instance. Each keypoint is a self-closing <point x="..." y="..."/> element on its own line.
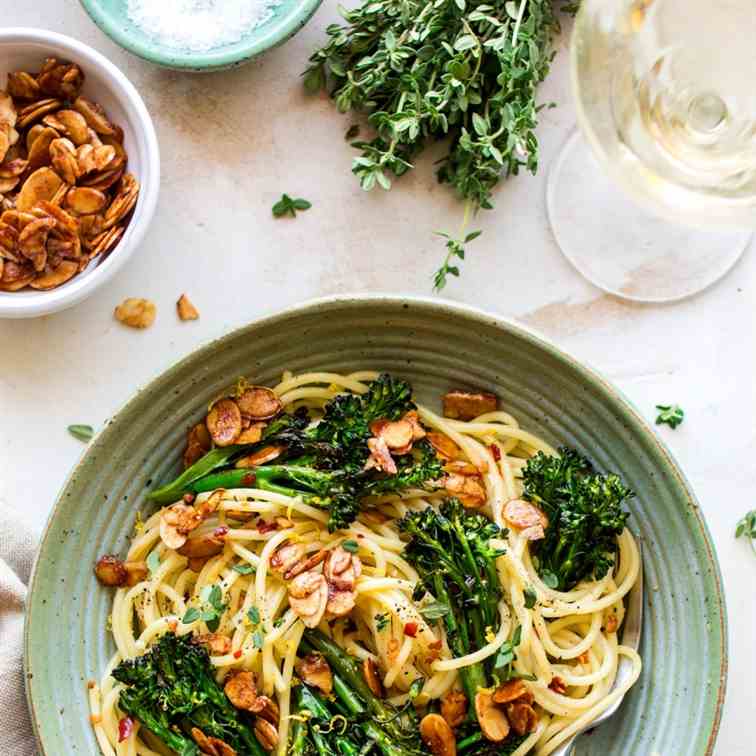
<point x="426" y="70"/>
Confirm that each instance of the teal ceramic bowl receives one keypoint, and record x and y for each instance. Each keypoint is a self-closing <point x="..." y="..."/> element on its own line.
<point x="675" y="708"/>
<point x="289" y="16"/>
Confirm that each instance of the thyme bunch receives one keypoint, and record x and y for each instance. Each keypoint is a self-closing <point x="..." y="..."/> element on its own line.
<point x="427" y="70"/>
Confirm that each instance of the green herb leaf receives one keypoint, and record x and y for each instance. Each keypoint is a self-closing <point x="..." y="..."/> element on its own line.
<point x="192" y="615"/>
<point x="434" y="611"/>
<point x="288" y="206"/>
<point x="670" y="414"/>
<point x="382" y="621"/>
<point x="153" y="562"/>
<point x="216" y="598"/>
<point x="278" y="622"/>
<point x="257" y="639"/>
<point x="550" y="579"/>
<point x="746" y="528"/>
<point x="244" y="569"/>
<point x="530" y="597"/>
<point x="254" y="615"/>
<point x="81" y="432"/>
<point x="455" y="249"/>
<point x="351" y="546"/>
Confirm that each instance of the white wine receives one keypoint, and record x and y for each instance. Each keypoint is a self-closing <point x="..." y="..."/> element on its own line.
<point x="666" y="94"/>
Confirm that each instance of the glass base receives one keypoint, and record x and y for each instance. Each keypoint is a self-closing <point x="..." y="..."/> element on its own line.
<point x="620" y="247"/>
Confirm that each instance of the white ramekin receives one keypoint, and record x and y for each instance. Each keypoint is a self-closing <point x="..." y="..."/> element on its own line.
<point x="26" y="49"/>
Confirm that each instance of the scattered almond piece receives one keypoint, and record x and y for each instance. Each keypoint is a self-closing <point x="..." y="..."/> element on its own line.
<point x="185" y="309"/>
<point x="136" y="312"/>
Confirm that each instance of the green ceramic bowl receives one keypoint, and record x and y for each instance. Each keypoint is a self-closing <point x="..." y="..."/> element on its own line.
<point x="676" y="706"/>
<point x="289" y="16"/>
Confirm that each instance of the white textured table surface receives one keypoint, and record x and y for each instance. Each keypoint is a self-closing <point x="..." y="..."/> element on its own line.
<point x="231" y="144"/>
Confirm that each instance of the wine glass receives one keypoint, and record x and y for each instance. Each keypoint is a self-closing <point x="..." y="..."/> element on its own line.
<point x="666" y="103"/>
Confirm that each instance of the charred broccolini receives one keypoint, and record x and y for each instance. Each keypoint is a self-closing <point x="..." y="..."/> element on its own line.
<point x="324" y="463"/>
<point x="171" y="689"/>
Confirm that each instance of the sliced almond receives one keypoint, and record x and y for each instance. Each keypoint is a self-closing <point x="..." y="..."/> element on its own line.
<point x="241" y="689"/>
<point x="340" y="603"/>
<point x="287" y="555"/>
<point x="313" y="669"/>
<point x="437" y="735"/>
<point x="526" y="517"/>
<point x="104" y="242"/>
<point x="224" y="422"/>
<point x="397" y="434"/>
<point x="201" y="547"/>
<point x="94" y="116"/>
<point x="413" y="419"/>
<point x="13" y="168"/>
<point x="463" y="405"/>
<point x="259" y="403"/>
<point x="8" y="184"/>
<point x="103" y="181"/>
<point x="492" y="720"/>
<point x="123" y="203"/>
<point x="372" y="678"/>
<point x="33" y="239"/>
<point x="198" y="443"/>
<point x="260" y="457"/>
<point x="460" y="467"/>
<point x="216" y="644"/>
<point x="16" y="276"/>
<point x="444" y="446"/>
<point x="4" y="140"/>
<point x="176" y="522"/>
<point x="185" y="309"/>
<point x="23" y="86"/>
<point x="55" y="277"/>
<point x="8" y="114"/>
<point x="74" y="126"/>
<point x="60" y="79"/>
<point x="469" y="490"/>
<point x="85" y="200"/>
<point x="135" y="312"/>
<point x="512" y="690"/>
<point x="41" y="185"/>
<point x="266" y="734"/>
<point x="251" y="435"/>
<point x="63" y="158"/>
<point x="305" y="585"/>
<point x="308" y="596"/>
<point x="454" y="708"/>
<point x="305" y="565"/>
<point x="36" y="111"/>
<point x="380" y="456"/>
<point x="522" y="717"/>
<point x="32" y="134"/>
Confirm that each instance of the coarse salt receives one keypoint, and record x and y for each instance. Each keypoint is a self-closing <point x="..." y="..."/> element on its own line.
<point x="199" y="25"/>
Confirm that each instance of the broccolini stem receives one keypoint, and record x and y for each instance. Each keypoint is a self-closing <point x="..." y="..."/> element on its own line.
<point x="348" y="696"/>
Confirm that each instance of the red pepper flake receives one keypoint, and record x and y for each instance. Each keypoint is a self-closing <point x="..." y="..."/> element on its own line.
<point x="238" y="654"/>
<point x="266" y="527"/>
<point x="248" y="479"/>
<point x="125" y="728"/>
<point x="495" y="451"/>
<point x="410" y="628"/>
<point x="91" y="684"/>
<point x="558" y="685"/>
<point x="188" y="498"/>
<point x="221" y="531"/>
<point x="172" y="625"/>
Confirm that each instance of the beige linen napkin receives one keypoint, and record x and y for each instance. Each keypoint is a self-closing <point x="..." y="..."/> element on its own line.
<point x="18" y="545"/>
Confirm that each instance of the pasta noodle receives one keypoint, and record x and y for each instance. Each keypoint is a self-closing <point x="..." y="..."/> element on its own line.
<point x="564" y="635"/>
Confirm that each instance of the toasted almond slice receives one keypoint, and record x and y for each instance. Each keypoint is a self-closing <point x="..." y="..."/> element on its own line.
<point x="492" y="720"/>
<point x="185" y="309"/>
<point x="512" y="690"/>
<point x="464" y="405"/>
<point x="55" y="277"/>
<point x="241" y="689"/>
<point x="224" y="422"/>
<point x="339" y="560"/>
<point x="136" y="572"/>
<point x="305" y="584"/>
<point x="8" y="113"/>
<point x="4" y="140"/>
<point x="305" y="565"/>
<point x="22" y="86"/>
<point x="135" y="312"/>
<point x="41" y="185"/>
<point x="522" y="717"/>
<point x="266" y="734"/>
<point x="454" y="707"/>
<point x="287" y="555"/>
<point x="94" y="115"/>
<point x="526" y="517"/>
<point x="85" y="200"/>
<point x="198" y="443"/>
<point x="74" y="126"/>
<point x="469" y="490"/>
<point x="202" y="547"/>
<point x="444" y="446"/>
<point x="372" y="678"/>
<point x="259" y="403"/>
<point x="32" y="241"/>
<point x="8" y="184"/>
<point x="260" y="457"/>
<point x="104" y="181"/>
<point x="460" y="467"/>
<point x="63" y="158"/>
<point x="32" y="134"/>
<point x="60" y="79"/>
<point x="380" y="456"/>
<point x="105" y="241"/>
<point x="123" y="203"/>
<point x="251" y="435"/>
<point x="311" y="608"/>
<point x="340" y="603"/>
<point x="16" y="276"/>
<point x="110" y="571"/>
<point x="437" y="735"/>
<point x="216" y="644"/>
<point x="397" y="434"/>
<point x="313" y="669"/>
<point x="36" y="111"/>
<point x="13" y="168"/>
<point x="413" y="419"/>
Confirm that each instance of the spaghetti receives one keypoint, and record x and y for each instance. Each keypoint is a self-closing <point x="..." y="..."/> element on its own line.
<point x="565" y="636"/>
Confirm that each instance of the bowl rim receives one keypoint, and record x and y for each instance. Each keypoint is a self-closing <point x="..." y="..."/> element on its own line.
<point x="212" y="60"/>
<point x="609" y="391"/>
<point x="54" y="300"/>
